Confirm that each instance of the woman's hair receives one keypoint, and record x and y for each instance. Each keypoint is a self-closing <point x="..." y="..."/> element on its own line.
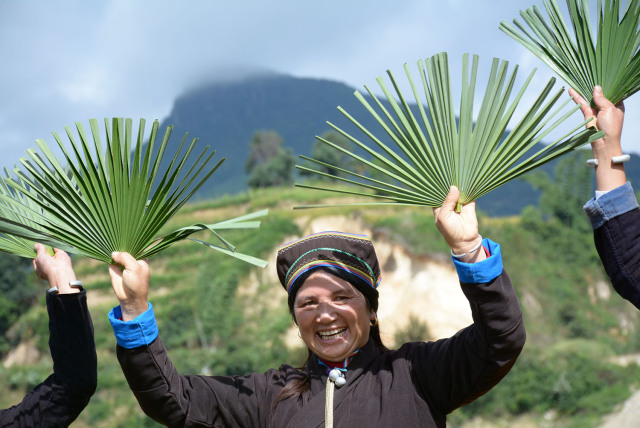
<point x="302" y="384"/>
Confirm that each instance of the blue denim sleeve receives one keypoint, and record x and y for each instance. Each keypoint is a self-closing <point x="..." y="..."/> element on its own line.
<point x="613" y="203"/>
<point x="484" y="271"/>
<point x="140" y="331"/>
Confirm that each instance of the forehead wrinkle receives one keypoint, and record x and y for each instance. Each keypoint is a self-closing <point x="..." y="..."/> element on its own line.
<point x="332" y="293"/>
<point x="332" y="286"/>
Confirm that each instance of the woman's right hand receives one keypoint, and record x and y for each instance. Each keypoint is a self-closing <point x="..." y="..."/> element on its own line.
<point x="459" y="230"/>
<point x="130" y="282"/>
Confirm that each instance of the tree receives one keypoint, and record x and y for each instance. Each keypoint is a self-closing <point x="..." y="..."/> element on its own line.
<point x="323" y="152"/>
<point x="415" y="331"/>
<point x="562" y="197"/>
<point x="560" y="221"/>
<point x="269" y="163"/>
<point x="263" y="146"/>
<point x="17" y="293"/>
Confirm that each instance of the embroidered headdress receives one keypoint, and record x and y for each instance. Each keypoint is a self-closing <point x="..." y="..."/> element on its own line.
<point x="351" y="253"/>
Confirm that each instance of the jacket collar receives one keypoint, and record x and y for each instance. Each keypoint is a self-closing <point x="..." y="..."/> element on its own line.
<point x="312" y="413"/>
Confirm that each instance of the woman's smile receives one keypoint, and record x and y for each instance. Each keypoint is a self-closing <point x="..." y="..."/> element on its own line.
<point x="332" y="334"/>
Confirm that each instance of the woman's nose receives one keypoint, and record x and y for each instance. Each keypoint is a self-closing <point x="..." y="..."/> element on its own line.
<point x="325" y="312"/>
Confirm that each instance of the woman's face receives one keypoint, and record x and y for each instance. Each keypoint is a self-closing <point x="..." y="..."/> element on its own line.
<point x="332" y="316"/>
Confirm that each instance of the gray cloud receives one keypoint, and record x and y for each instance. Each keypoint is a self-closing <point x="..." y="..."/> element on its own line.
<point x="66" y="61"/>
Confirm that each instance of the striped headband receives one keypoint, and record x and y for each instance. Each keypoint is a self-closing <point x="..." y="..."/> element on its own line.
<point x="350" y="252"/>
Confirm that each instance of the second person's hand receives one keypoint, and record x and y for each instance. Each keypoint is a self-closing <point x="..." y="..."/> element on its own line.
<point x="608" y="118"/>
<point x="56" y="269"/>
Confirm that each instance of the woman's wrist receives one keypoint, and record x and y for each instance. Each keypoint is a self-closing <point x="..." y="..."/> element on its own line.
<point x="131" y="310"/>
<point x="475" y="257"/>
<point x="609" y="174"/>
<point x="62" y="281"/>
<point x="469" y="251"/>
<point x="606" y="148"/>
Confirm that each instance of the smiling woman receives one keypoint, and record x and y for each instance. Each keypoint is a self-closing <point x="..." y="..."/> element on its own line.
<point x="333" y="316"/>
<point x="331" y="279"/>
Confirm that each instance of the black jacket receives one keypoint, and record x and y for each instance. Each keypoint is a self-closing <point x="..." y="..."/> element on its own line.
<point x="414" y="386"/>
<point x="618" y="244"/>
<point x="58" y="400"/>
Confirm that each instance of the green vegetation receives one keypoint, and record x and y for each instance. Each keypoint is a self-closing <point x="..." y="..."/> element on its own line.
<point x="572" y="378"/>
<point x="415" y="331"/>
<point x="18" y="291"/>
<point x="220" y="316"/>
<point x="572" y="335"/>
<point x="269" y="163"/>
<point x="332" y="161"/>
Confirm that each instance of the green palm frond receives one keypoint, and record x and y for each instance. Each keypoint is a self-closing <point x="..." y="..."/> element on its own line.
<point x="584" y="58"/>
<point x="16" y="207"/>
<point x="117" y="199"/>
<point x="438" y="150"/>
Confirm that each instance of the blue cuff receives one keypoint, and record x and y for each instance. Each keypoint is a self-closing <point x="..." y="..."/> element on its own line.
<point x="140" y="331"/>
<point x="612" y="204"/>
<point x="481" y="272"/>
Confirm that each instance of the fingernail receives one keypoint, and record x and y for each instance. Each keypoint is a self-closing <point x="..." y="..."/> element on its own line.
<point x="598" y="89"/>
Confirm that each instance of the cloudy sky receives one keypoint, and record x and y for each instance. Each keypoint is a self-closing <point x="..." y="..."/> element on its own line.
<point x="67" y="61"/>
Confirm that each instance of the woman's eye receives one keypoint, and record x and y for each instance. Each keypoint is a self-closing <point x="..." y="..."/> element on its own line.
<point x="340" y="298"/>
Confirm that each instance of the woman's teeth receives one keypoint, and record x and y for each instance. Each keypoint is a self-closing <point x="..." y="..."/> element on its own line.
<point x="331" y="334"/>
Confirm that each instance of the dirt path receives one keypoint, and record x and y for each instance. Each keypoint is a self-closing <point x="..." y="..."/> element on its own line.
<point x="628" y="416"/>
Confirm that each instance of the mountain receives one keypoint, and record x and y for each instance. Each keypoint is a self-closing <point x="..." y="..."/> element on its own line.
<point x="225" y="115"/>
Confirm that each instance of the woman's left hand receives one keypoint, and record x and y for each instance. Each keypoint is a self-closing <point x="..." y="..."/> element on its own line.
<point x="460" y="230"/>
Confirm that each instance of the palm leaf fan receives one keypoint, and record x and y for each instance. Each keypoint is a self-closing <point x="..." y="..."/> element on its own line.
<point x="584" y="58"/>
<point x="116" y="199"/>
<point x="438" y="149"/>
